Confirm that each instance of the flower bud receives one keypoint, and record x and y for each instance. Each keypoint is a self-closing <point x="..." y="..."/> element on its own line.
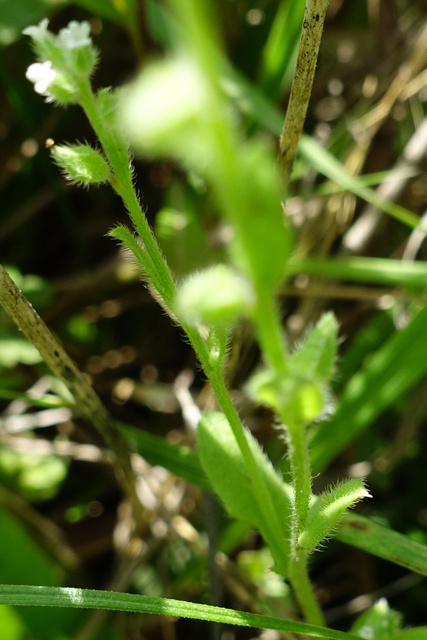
<point x="216" y="296"/>
<point x="64" y="60"/>
<point x="81" y="164"/>
<point x="298" y="401"/>
<point x="41" y="75"/>
<point x="162" y="113"/>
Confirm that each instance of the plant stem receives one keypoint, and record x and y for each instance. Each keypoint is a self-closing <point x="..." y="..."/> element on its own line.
<point x="303" y="589"/>
<point x="270" y="331"/>
<point x="162" y="280"/>
<point x="88" y="404"/>
<point x="301" y="477"/>
<point x="118" y="157"/>
<point x="223" y="397"/>
<point x="308" y="51"/>
<point x="270" y="335"/>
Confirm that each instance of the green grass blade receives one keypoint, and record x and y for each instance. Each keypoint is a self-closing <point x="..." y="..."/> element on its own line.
<point x="356" y="530"/>
<point x="114" y="601"/>
<point x="369" y="339"/>
<point x="45" y="402"/>
<point x="256" y="104"/>
<point x="179" y="460"/>
<point x="417" y="633"/>
<point x="394" y="273"/>
<point x="22" y="559"/>
<point x="329" y="166"/>
<point x="391" y="371"/>
<point x="374" y="538"/>
<point x="279" y="52"/>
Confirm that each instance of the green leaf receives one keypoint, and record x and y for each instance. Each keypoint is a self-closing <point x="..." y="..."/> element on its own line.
<point x="255" y="212"/>
<point x="22" y="560"/>
<point x="315" y="358"/>
<point x="225" y="468"/>
<point x="81" y="164"/>
<point x="382" y="271"/>
<point x="278" y="53"/>
<point x="355" y="530"/>
<point x="327" y="509"/>
<point x="114" y="601"/>
<point x="386" y="376"/>
<point x="380" y="541"/>
<point x="129" y="240"/>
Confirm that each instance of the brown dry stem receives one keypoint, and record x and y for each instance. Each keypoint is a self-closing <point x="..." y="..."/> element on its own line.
<point x="308" y="51"/>
<point x="87" y="403"/>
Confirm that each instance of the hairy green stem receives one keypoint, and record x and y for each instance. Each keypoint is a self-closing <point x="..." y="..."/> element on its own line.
<point x="270" y="334"/>
<point x="232" y="199"/>
<point x="118" y="157"/>
<point x="303" y="589"/>
<point x="260" y="491"/>
<point x="163" y="282"/>
<point x="265" y="315"/>
<point x="308" y="51"/>
<point x="301" y="478"/>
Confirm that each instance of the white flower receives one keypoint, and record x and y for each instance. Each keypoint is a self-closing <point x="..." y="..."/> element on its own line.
<point x="41" y="75"/>
<point x="76" y="35"/>
<point x="37" y="32"/>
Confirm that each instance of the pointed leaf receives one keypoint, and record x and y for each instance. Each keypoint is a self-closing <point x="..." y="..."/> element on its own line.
<point x="315" y="358"/>
<point x="327" y="509"/>
<point x="227" y="472"/>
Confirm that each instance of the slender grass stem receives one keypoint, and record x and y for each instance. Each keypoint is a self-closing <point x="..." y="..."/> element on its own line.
<point x="308" y="51"/>
<point x="88" y="404"/>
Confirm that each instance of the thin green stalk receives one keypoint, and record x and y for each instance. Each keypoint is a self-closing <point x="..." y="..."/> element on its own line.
<point x="162" y="279"/>
<point x="118" y="158"/>
<point x="301" y="478"/>
<point x="270" y="332"/>
<point x="223" y="397"/>
<point x="303" y="589"/>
